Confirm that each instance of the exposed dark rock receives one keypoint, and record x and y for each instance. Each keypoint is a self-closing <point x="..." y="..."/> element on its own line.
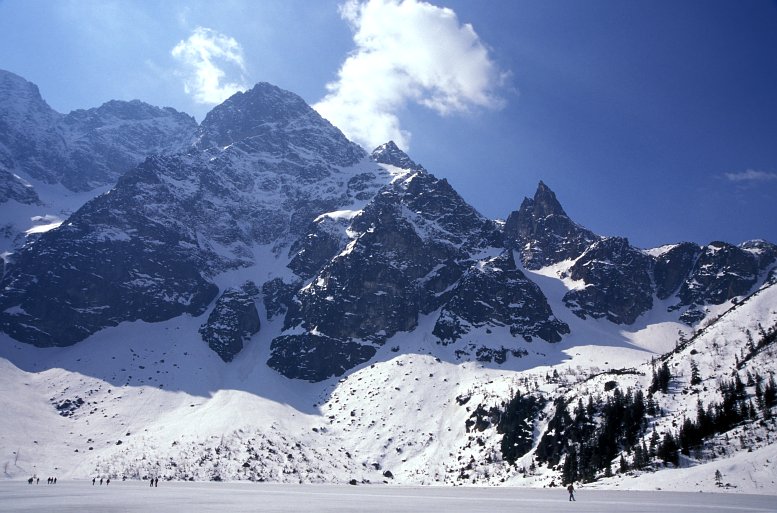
<point x="495" y="293"/>
<point x="618" y="282"/>
<point x="378" y="285"/>
<point x="325" y="238"/>
<point x="316" y="357"/>
<point x="542" y="232"/>
<point x="672" y="268"/>
<point x="498" y="356"/>
<point x="278" y="295"/>
<point x="12" y="188"/>
<point x="269" y="120"/>
<point x="232" y="321"/>
<point x="101" y="268"/>
<point x="389" y="153"/>
<point x="721" y="272"/>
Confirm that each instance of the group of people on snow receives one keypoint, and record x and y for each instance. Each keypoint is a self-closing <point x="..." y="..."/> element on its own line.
<point x="36" y="480"/>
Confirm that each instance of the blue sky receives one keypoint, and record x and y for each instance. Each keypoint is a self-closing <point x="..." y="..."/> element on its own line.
<point x="653" y="120"/>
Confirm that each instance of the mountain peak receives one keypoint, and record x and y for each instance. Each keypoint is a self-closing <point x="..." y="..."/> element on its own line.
<point x="274" y="118"/>
<point x="389" y="153"/>
<point x="543" y="232"/>
<point x="545" y="202"/>
<point x="21" y="102"/>
<point x="241" y="114"/>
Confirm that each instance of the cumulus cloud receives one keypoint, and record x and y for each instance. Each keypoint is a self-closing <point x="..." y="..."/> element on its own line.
<point x="751" y="176"/>
<point x="207" y="57"/>
<point x="407" y="52"/>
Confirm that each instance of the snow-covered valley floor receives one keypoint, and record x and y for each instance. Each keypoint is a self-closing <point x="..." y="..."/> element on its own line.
<point x="132" y="496"/>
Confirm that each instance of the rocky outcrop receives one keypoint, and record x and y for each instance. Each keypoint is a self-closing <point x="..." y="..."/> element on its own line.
<point x="543" y="234"/>
<point x="232" y="321"/>
<point x="617" y="282"/>
<point x="13" y="188"/>
<point x="406" y="250"/>
<point x="278" y="296"/>
<point x="673" y="267"/>
<point x="723" y="271"/>
<point x="315" y="357"/>
<point x="495" y="293"/>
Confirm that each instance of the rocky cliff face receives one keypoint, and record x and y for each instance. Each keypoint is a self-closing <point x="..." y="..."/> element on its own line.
<point x="416" y="248"/>
<point x="495" y="293"/>
<point x="543" y="233"/>
<point x="232" y="321"/>
<point x="402" y="252"/>
<point x="617" y="282"/>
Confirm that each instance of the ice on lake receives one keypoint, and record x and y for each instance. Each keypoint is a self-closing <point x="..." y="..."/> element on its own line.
<point x="174" y="497"/>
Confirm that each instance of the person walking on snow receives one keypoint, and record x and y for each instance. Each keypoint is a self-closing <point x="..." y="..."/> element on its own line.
<point x="571" y="490"/>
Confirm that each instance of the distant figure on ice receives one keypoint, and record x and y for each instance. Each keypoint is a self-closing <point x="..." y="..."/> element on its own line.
<point x="37" y="480"/>
<point x="93" y="480"/>
<point x="156" y="482"/>
<point x="29" y="481"/>
<point x="571" y="490"/>
<point x="55" y="480"/>
<point x="151" y="483"/>
<point x="101" y="481"/>
<point x="107" y="481"/>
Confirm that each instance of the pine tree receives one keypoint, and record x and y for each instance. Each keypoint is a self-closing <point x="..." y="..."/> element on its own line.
<point x="667" y="451"/>
<point x="569" y="472"/>
<point x="695" y="376"/>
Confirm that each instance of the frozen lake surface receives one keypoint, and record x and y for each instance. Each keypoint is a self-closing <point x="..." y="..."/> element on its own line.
<point x="174" y="497"/>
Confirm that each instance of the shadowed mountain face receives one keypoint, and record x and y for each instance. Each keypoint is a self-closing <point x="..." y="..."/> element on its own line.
<point x="363" y="247"/>
<point x="84" y="149"/>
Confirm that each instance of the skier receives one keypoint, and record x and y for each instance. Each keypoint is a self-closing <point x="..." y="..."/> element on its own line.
<point x="571" y="490"/>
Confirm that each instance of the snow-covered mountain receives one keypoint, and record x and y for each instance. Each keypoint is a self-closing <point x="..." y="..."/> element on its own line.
<point x="261" y="299"/>
<point x="51" y="163"/>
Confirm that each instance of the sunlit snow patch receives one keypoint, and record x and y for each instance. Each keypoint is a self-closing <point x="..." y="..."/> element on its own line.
<point x="42" y="224"/>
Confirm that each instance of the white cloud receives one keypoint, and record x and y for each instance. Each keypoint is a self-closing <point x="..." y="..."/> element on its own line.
<point x="406" y="52"/>
<point x="750" y="176"/>
<point x="207" y="56"/>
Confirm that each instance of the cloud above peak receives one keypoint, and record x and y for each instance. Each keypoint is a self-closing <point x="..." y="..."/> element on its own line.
<point x="407" y="52"/>
<point x="212" y="66"/>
